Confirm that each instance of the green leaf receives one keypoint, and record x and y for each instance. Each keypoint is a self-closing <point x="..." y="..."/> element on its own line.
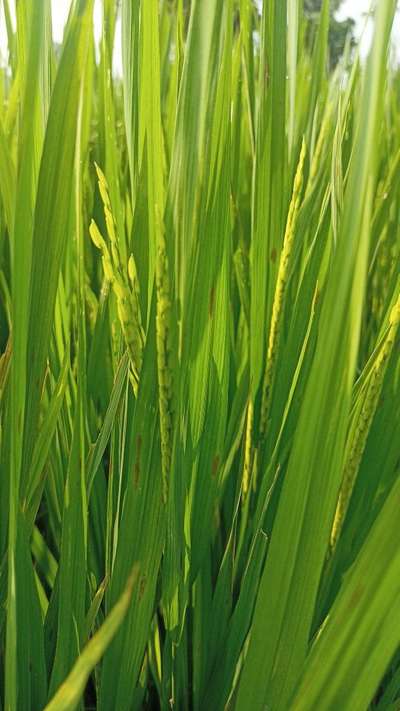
<point x="69" y="693"/>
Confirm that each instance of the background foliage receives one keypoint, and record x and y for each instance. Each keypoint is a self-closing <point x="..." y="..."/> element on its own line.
<point x="340" y="31"/>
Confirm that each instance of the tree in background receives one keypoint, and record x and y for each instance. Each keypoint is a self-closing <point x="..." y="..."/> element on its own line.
<point x="339" y="31"/>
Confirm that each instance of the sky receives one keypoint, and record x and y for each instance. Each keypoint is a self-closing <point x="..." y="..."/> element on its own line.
<point x="364" y="29"/>
<point x="354" y="8"/>
<point x="60" y="8"/>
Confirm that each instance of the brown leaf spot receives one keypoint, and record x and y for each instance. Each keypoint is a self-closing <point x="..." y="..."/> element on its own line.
<point x="356" y="596"/>
<point x="142" y="587"/>
<point x="215" y="465"/>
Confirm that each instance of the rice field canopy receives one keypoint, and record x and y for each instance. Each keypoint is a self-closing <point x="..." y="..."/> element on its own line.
<point x="199" y="359"/>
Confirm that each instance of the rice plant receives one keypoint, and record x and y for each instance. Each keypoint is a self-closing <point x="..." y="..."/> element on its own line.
<point x="199" y="361"/>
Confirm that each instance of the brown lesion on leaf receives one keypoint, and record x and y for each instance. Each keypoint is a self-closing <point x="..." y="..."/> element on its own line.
<point x="273" y="255"/>
<point x="215" y="465"/>
<point x="142" y="587"/>
<point x="356" y="596"/>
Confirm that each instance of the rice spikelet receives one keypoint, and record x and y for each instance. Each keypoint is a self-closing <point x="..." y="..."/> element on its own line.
<point x="103" y="187"/>
<point x="163" y="338"/>
<point x="248" y="450"/>
<point x="126" y="288"/>
<point x="280" y="292"/>
<point x="359" y="438"/>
